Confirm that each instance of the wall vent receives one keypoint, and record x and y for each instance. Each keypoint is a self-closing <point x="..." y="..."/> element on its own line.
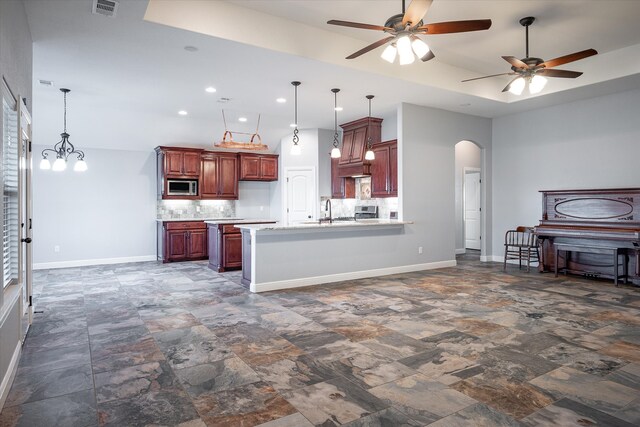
<point x="45" y="82"/>
<point x="105" y="8"/>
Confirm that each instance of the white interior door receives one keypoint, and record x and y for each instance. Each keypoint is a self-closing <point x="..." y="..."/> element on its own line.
<point x="300" y="203"/>
<point x="25" y="234"/>
<point x="472" y="209"/>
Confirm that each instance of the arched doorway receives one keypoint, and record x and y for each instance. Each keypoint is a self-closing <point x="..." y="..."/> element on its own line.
<point x="469" y="196"/>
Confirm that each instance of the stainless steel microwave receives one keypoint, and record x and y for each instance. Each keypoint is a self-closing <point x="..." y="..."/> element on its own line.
<point x="182" y="187"/>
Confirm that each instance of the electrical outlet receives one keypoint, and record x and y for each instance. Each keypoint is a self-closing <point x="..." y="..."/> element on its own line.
<point x="56" y="248"/>
<point x="419" y="249"/>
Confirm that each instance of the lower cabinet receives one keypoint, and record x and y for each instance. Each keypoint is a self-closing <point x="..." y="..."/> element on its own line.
<point x="341" y="188"/>
<point x="225" y="247"/>
<point x="182" y="240"/>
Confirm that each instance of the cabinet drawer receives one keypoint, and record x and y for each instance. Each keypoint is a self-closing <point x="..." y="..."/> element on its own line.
<point x="185" y="225"/>
<point x="230" y="229"/>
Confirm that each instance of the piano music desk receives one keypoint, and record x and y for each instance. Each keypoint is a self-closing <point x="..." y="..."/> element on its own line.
<point x="593" y="249"/>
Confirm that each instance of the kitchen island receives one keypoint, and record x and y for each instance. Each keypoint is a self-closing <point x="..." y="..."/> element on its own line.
<point x="282" y="256"/>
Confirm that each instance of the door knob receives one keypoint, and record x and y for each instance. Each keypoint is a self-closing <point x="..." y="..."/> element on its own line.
<point x="308" y="216"/>
<point x="27" y="240"/>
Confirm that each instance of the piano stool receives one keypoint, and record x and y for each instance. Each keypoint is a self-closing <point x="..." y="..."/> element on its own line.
<point x="614" y="251"/>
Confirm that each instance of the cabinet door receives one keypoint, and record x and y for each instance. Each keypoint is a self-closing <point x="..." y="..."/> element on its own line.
<point x="173" y="161"/>
<point x="197" y="244"/>
<point x="358" y="145"/>
<point x="347" y="145"/>
<point x="341" y="188"/>
<point x="380" y="172"/>
<point x="209" y="177"/>
<point x="393" y="170"/>
<point x="250" y="167"/>
<point x="228" y="177"/>
<point x="176" y="242"/>
<point x="191" y="164"/>
<point x="232" y="244"/>
<point x="269" y="168"/>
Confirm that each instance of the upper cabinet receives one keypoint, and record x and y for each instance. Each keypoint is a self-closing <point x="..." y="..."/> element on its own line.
<point x="219" y="179"/>
<point x="384" y="169"/>
<point x="181" y="162"/>
<point x="354" y="145"/>
<point x="258" y="167"/>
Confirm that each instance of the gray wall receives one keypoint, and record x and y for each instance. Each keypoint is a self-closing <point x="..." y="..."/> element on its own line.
<point x="427" y="137"/>
<point x="16" y="68"/>
<point x="109" y="211"/>
<point x="254" y="200"/>
<point x="593" y="143"/>
<point x="468" y="155"/>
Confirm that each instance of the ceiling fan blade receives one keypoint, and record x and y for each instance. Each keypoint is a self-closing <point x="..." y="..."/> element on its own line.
<point x="358" y="25"/>
<point x="507" y="87"/>
<point x="569" y="58"/>
<point x="515" y="62"/>
<point x="559" y="73"/>
<point x="416" y="11"/>
<point x="428" y="56"/>
<point x="370" y="47"/>
<point x="486" y="77"/>
<point x="456" y="26"/>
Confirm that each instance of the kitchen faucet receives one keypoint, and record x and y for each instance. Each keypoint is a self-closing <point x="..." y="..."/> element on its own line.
<point x="327" y="207"/>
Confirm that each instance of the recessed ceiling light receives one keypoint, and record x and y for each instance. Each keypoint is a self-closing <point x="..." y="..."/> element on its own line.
<point x="210" y="89"/>
<point x="46" y="82"/>
<point x="242" y="119"/>
<point x="281" y="100"/>
<point x="338" y="108"/>
<point x="191" y="48"/>
<point x="224" y="100"/>
<point x="182" y="113"/>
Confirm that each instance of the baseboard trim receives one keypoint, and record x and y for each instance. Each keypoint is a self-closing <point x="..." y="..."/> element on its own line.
<point x="339" y="277"/>
<point x="97" y="261"/>
<point x="461" y="251"/>
<point x="7" y="381"/>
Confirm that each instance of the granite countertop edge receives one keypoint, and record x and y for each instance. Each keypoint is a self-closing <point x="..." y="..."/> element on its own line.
<point x="334" y="225"/>
<point x="217" y="220"/>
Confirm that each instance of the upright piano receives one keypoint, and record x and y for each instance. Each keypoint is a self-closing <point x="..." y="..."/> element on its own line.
<point x="607" y="217"/>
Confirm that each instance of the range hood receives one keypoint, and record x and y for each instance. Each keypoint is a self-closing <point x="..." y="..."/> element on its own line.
<point x="355" y="135"/>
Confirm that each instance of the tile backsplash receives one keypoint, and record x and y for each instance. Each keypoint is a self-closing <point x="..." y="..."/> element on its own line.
<point x="346" y="207"/>
<point x="176" y="209"/>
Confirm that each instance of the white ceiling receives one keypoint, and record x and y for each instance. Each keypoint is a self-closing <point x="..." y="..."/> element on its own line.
<point x="130" y="76"/>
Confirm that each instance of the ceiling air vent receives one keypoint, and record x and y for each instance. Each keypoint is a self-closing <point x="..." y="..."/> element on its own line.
<point x="45" y="82"/>
<point x="105" y="8"/>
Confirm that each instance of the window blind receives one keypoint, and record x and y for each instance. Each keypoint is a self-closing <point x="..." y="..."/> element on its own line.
<point x="11" y="229"/>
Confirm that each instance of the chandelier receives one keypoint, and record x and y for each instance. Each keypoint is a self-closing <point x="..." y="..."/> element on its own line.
<point x="63" y="149"/>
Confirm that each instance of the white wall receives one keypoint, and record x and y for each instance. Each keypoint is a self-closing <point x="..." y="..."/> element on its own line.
<point x="325" y="144"/>
<point x="468" y="155"/>
<point x="593" y="143"/>
<point x="426" y="141"/>
<point x="109" y="211"/>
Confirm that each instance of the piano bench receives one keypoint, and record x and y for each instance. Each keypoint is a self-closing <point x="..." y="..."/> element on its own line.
<point x="593" y="249"/>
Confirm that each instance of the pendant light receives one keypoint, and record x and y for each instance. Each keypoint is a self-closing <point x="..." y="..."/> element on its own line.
<point x="63" y="149"/>
<point x="295" y="149"/>
<point x="335" y="151"/>
<point x="369" y="155"/>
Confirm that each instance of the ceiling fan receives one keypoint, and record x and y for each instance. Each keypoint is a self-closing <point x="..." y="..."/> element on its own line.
<point x="534" y="70"/>
<point x="404" y="28"/>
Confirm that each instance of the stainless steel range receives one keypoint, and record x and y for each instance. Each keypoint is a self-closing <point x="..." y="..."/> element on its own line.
<point x="366" y="212"/>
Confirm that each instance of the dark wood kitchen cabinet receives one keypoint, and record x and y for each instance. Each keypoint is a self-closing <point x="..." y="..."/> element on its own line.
<point x="182" y="241"/>
<point x="258" y="167"/>
<point x="181" y="162"/>
<point x="219" y="178"/>
<point x="384" y="169"/>
<point x="354" y="145"/>
<point x="225" y="246"/>
<point x="341" y="188"/>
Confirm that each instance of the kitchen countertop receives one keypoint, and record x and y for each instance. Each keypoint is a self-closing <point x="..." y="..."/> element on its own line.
<point x="238" y="221"/>
<point x="197" y="219"/>
<point x="325" y="225"/>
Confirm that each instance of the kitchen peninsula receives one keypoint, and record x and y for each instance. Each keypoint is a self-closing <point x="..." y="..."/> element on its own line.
<point x="282" y="256"/>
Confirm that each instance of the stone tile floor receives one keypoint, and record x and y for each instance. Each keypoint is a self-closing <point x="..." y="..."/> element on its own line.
<point x="151" y="344"/>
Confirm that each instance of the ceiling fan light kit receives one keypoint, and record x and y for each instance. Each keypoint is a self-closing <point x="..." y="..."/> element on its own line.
<point x="403" y="30"/>
<point x="532" y="71"/>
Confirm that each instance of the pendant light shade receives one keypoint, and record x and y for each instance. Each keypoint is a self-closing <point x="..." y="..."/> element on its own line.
<point x="369" y="154"/>
<point x="389" y="53"/>
<point x="335" y="151"/>
<point x="295" y="149"/>
<point x="517" y="86"/>
<point x="536" y="84"/>
<point x="420" y="48"/>
<point x="63" y="149"/>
